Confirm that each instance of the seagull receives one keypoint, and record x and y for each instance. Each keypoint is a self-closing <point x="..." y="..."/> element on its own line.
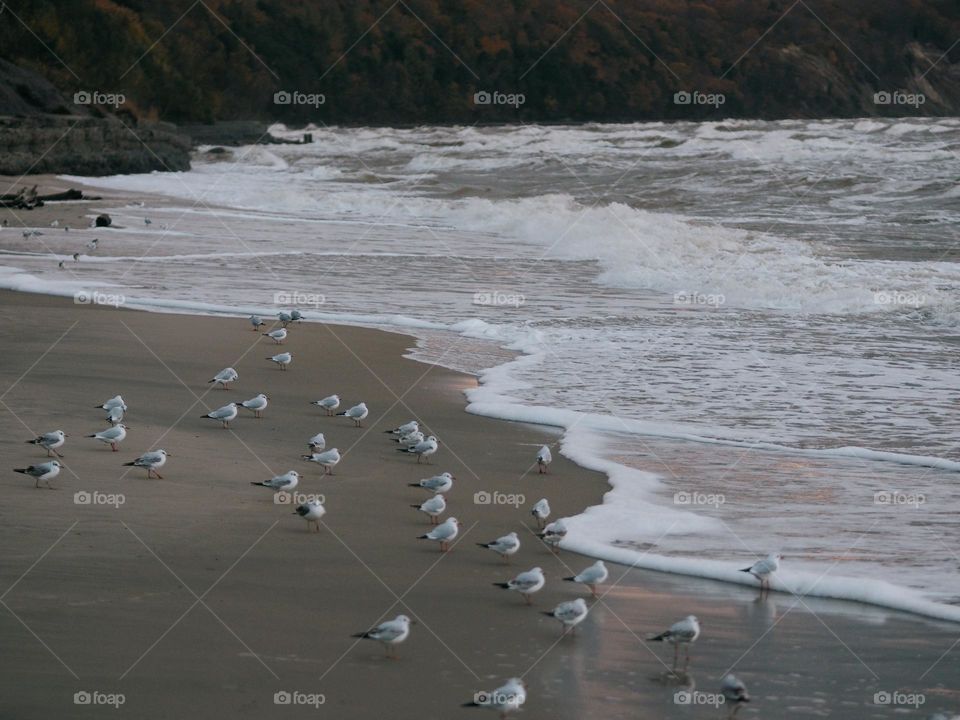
<point x="505" y="699"/>
<point x="735" y="693"/>
<point x="357" y="413"/>
<point x="422" y="449"/>
<point x="592" y="576"/>
<point x="288" y="481"/>
<point x="258" y="404"/>
<point x="435" y="506"/>
<point x="444" y="533"/>
<point x="504" y="546"/>
<point x="50" y="441"/>
<point x="44" y="471"/>
<point x="410" y="440"/>
<point x="762" y="569"/>
<point x="311" y="512"/>
<point x="329" y="404"/>
<point x="317" y="443"/>
<point x="55" y="223"/>
<point x="116" y="401"/>
<point x="541" y="511"/>
<point x="76" y="257"/>
<point x="437" y="484"/>
<point x="225" y="377"/>
<point x="256" y="321"/>
<point x="393" y="632"/>
<point x="278" y="335"/>
<point x="283" y="359"/>
<point x="544" y="458"/>
<point x="327" y="459"/>
<point x="296" y="315"/>
<point x="60" y="264"/>
<point x="152" y="461"/>
<point x="553" y="534"/>
<point x="111" y="436"/>
<point x="682" y="632"/>
<point x="526" y="583"/>
<point x="224" y="414"/>
<point x="115" y="415"/>
<point x="570" y="614"/>
<point x="405" y="429"/>
<point x="147" y="221"/>
<point x="285" y="318"/>
<point x="92" y="245"/>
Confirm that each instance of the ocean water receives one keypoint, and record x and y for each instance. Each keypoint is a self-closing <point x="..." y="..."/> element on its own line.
<point x="751" y="327"/>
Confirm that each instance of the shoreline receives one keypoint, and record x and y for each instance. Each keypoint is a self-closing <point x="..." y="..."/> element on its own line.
<point x="291" y="598"/>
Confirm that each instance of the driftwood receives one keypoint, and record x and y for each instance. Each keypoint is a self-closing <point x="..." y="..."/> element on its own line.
<point x="27" y="199"/>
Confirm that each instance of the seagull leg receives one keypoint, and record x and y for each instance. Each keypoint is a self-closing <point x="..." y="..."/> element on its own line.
<point x="159" y="476"/>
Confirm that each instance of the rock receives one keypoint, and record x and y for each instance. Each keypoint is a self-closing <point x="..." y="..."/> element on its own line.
<point x="103" y="221"/>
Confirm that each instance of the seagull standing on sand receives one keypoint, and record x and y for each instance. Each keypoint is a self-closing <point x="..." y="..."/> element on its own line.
<point x="434" y="506"/>
<point x="422" y="449"/>
<point x="541" y="511"/>
<point x="437" y="484"/>
<point x="734" y="693"/>
<point x="92" y="245"/>
<point x="224" y="414"/>
<point x="357" y="413"/>
<point x="329" y="404"/>
<point x="682" y="632"/>
<point x="410" y="440"/>
<point x="115" y="415"/>
<point x="328" y="460"/>
<point x="44" y="471"/>
<point x="526" y="583"/>
<point x="282" y="360"/>
<point x="592" y="576"/>
<point x="112" y="436"/>
<point x="505" y="699"/>
<point x="763" y="569"/>
<point x="317" y="443"/>
<point x="405" y="429"/>
<point x="286" y="482"/>
<point x="256" y="321"/>
<point x="225" y="377"/>
<point x="278" y="335"/>
<point x="312" y="512"/>
<point x="570" y="614"/>
<point x="504" y="546"/>
<point x="544" y="458"/>
<point x="50" y="442"/>
<point x="152" y="461"/>
<point x="444" y="533"/>
<point x="553" y="533"/>
<point x="257" y="404"/>
<point x="391" y="633"/>
<point x="115" y="401"/>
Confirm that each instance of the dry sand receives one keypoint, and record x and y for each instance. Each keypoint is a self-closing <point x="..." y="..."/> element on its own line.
<point x="200" y="597"/>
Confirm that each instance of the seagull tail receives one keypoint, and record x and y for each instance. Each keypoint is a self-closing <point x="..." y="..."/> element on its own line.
<point x="483" y="545"/>
<point x="570" y="579"/>
<point x="505" y="586"/>
<point x="263" y="484"/>
<point x="657" y="638"/>
<point x="415" y="507"/>
<point x="361" y="635"/>
<point x="423" y="537"/>
<point x="94" y="435"/>
<point x="547" y="613"/>
<point x="20" y="470"/>
<point x="211" y="381"/>
<point x="471" y="704"/>
<point x="746" y="569"/>
<point x="414" y="484"/>
<point x="31" y="442"/>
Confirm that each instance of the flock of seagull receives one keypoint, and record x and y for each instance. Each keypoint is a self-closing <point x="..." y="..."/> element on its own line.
<point x="411" y="440"/>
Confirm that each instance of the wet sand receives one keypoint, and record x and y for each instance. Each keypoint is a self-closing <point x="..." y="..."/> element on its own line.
<point x="200" y="597"/>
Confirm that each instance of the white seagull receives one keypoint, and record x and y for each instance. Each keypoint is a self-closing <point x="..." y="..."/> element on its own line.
<point x="329" y="404"/>
<point x="224" y="414"/>
<point x="541" y="511"/>
<point x="115" y="415"/>
<point x="357" y="413"/>
<point x="257" y="404"/>
<point x="278" y="335"/>
<point x="734" y="693"/>
<point x="285" y="318"/>
<point x="526" y="583"/>
<point x="434" y="506"/>
<point x="405" y="429"/>
<point x="763" y="569"/>
<point x="256" y="321"/>
<point x="288" y="481"/>
<point x="317" y="443"/>
<point x="682" y="632"/>
<point x="224" y="377"/>
<point x="282" y="360"/>
<point x="116" y="401"/>
<point x="112" y="436"/>
<point x="553" y="534"/>
<point x="570" y="614"/>
<point x="44" y="471"/>
<point x="422" y="449"/>
<point x="592" y="576"/>
<point x="152" y="461"/>
<point x="444" y="533"/>
<point x="50" y="441"/>
<point x="410" y="440"/>
<point x="504" y="546"/>
<point x="544" y="458"/>
<point x="505" y="699"/>
<point x="328" y="460"/>
<point x="391" y="633"/>
<point x="311" y="512"/>
<point x="436" y="484"/>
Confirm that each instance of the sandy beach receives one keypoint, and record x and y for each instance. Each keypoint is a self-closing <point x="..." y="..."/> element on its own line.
<point x="198" y="596"/>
